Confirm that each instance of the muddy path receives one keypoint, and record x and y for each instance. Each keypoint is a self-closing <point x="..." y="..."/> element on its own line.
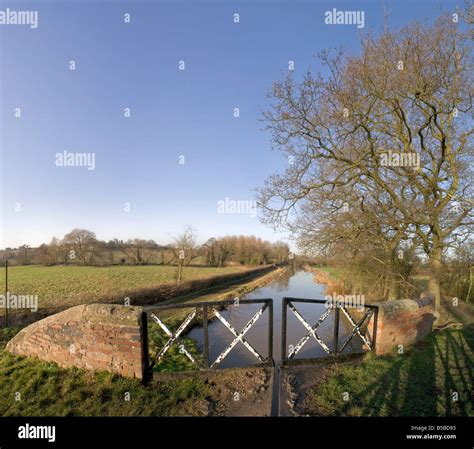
<point x="230" y="392"/>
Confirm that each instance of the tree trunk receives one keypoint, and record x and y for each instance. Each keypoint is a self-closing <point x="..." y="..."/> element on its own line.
<point x="434" y="280"/>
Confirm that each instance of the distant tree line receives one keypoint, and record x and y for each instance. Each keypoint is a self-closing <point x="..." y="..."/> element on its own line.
<point x="82" y="247"/>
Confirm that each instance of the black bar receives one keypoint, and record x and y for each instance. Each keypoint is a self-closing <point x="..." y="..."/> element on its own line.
<point x="336" y="329"/>
<point x="270" y="331"/>
<point x="123" y="432"/>
<point x="190" y="305"/>
<point x="147" y="375"/>
<point x="376" y="318"/>
<point x="206" y="336"/>
<point x="321" y="301"/>
<point x="284" y="304"/>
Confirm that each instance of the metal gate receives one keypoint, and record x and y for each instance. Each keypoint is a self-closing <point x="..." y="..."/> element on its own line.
<point x="289" y="303"/>
<point x="201" y="313"/>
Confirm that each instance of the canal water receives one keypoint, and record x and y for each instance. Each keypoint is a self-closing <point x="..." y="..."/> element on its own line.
<point x="299" y="284"/>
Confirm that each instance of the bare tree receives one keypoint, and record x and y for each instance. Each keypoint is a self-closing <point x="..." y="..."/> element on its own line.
<point x="394" y="125"/>
<point x="139" y="250"/>
<point x="184" y="248"/>
<point x="82" y="244"/>
<point x="24" y="254"/>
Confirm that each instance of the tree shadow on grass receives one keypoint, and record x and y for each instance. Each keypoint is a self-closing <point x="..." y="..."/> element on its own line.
<point x="456" y="373"/>
<point x="419" y="382"/>
<point x="383" y="394"/>
<point x="424" y="382"/>
<point x="408" y="388"/>
<point x="420" y="391"/>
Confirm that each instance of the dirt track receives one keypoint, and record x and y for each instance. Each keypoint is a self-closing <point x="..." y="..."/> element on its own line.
<point x="232" y="391"/>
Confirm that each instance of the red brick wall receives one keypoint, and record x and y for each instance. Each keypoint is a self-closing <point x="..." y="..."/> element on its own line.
<point x="95" y="336"/>
<point x="403" y="322"/>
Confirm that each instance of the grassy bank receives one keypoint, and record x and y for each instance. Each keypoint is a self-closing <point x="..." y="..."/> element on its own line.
<point x="434" y="378"/>
<point x="48" y="390"/>
<point x="332" y="272"/>
<point x="66" y="286"/>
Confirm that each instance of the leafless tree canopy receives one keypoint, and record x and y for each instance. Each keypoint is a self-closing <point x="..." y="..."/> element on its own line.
<point x="406" y="99"/>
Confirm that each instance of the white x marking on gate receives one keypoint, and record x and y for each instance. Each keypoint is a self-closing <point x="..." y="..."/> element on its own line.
<point x="239" y="336"/>
<point x="311" y="331"/>
<point x="356" y="329"/>
<point x="174" y="337"/>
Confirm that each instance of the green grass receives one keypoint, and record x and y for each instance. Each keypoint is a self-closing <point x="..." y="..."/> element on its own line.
<point x="334" y="273"/>
<point x="174" y="359"/>
<point x="31" y="387"/>
<point x="421" y="382"/>
<point x="47" y="390"/>
<point x="71" y="285"/>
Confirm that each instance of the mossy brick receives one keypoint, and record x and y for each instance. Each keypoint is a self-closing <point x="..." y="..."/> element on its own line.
<point x="106" y="337"/>
<point x="404" y="321"/>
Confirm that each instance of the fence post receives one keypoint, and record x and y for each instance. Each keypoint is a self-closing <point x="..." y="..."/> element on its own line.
<point x="283" y="329"/>
<point x="6" y="293"/>
<point x="270" y="331"/>
<point x="147" y="374"/>
<point x="336" y="329"/>
<point x="206" y="336"/>
<point x="376" y="318"/>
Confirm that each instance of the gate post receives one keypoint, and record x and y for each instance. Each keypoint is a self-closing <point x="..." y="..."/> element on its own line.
<point x="146" y="374"/>
<point x="206" y="336"/>
<point x="270" y="331"/>
<point x="283" y="329"/>
<point x="336" y="329"/>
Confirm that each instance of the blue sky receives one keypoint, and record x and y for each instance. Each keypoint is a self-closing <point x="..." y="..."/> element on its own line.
<point x="173" y="112"/>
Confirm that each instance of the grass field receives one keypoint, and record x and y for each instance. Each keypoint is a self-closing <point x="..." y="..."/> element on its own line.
<point x="71" y="285"/>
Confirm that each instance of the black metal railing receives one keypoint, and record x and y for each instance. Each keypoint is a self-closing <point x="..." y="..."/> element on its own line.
<point x="288" y="303"/>
<point x="201" y="313"/>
